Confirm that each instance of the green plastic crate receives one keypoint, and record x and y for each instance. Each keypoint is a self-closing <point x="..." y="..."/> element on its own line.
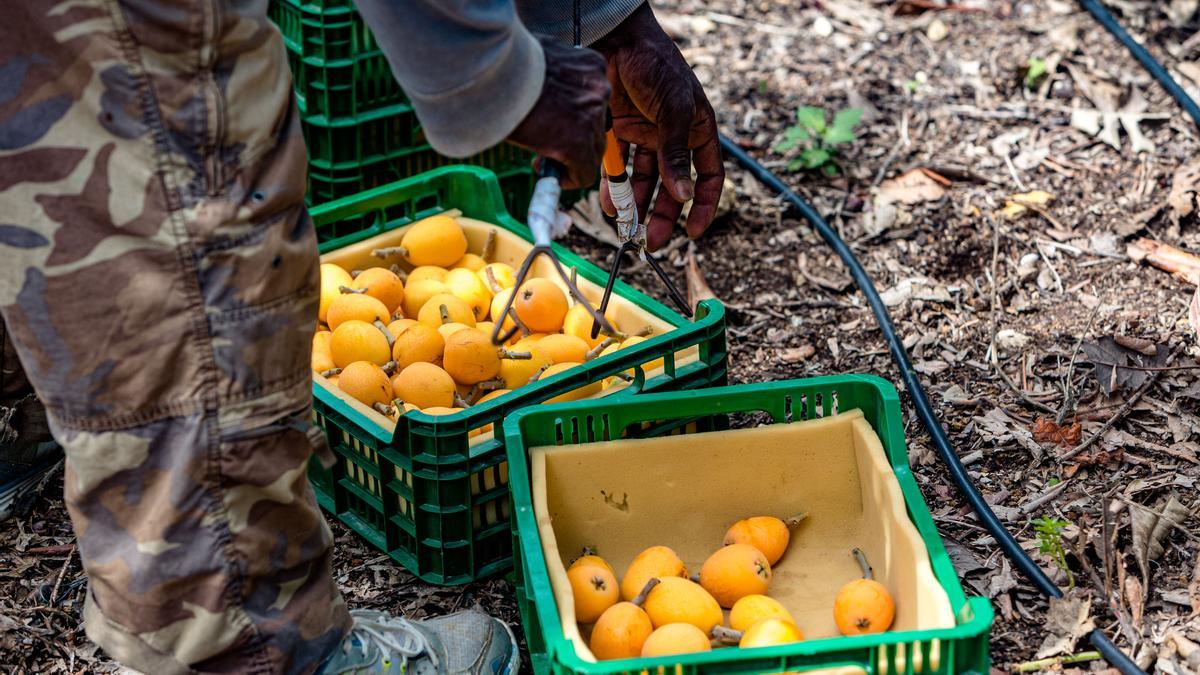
<point x="963" y="648"/>
<point x="338" y="69"/>
<point x="421" y="492"/>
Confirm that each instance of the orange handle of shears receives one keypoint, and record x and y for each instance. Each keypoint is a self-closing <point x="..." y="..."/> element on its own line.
<point x="614" y="164"/>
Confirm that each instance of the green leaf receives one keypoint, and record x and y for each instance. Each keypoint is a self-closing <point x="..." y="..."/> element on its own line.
<point x="835" y="136"/>
<point x="784" y="146"/>
<point x="847" y="119"/>
<point x="1037" y="69"/>
<point x="797" y="134"/>
<point x="814" y="157"/>
<point x="830" y="170"/>
<point x="795" y="165"/>
<point x="812" y="118"/>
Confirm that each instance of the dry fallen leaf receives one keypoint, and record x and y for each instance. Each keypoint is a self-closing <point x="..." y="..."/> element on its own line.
<point x="588" y="217"/>
<point x="1106" y="119"/>
<point x="913" y="187"/>
<point x="1189" y="651"/>
<point x="1068" y="620"/>
<point x="1136" y="600"/>
<point x="697" y="287"/>
<point x="1111" y="364"/>
<point x="1047" y="431"/>
<point x="1015" y="206"/>
<point x="796" y="354"/>
<point x="1185" y="191"/>
<point x="1149" y="530"/>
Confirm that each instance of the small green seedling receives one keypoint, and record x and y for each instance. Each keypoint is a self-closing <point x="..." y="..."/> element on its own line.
<point x="1050" y="543"/>
<point x="1035" y="70"/>
<point x="819" y="138"/>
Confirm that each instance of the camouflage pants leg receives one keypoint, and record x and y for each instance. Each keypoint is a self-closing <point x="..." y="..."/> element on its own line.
<point x="158" y="274"/>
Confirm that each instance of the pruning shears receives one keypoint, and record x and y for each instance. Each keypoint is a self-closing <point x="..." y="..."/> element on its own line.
<point x="631" y="231"/>
<point x="546" y="222"/>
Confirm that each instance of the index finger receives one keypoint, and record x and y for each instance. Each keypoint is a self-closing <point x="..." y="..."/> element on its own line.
<point x="710" y="179"/>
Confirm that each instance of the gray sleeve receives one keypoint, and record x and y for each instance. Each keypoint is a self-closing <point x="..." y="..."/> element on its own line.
<point x="555" y="18"/>
<point x="470" y="67"/>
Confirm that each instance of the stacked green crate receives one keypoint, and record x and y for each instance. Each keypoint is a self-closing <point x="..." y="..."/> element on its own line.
<point x="360" y="128"/>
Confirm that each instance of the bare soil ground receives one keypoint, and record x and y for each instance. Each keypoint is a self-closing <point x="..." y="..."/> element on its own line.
<point x="1039" y="297"/>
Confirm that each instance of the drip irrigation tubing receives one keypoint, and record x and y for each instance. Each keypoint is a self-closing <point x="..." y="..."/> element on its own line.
<point x="958" y="473"/>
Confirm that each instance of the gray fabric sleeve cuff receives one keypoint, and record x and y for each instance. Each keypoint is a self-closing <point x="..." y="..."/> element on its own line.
<point x="554" y="18"/>
<point x="483" y="112"/>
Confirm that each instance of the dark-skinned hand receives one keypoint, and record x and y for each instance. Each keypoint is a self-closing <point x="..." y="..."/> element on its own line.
<point x="567" y="122"/>
<point x="660" y="109"/>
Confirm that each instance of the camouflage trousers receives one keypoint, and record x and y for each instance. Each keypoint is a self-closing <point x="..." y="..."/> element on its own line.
<point x="158" y="275"/>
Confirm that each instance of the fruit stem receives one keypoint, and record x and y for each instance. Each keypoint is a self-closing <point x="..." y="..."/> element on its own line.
<point x="383" y="408"/>
<point x="354" y="273"/>
<point x="390" y="367"/>
<point x="445" y="312"/>
<point x="505" y="353"/>
<point x="538" y="373"/>
<point x="640" y="598"/>
<point x="645" y="331"/>
<point x="595" y="351"/>
<point x="386" y="333"/>
<point x="331" y="372"/>
<point x="489" y="246"/>
<point x="726" y="635"/>
<point x="695" y="576"/>
<point x="460" y="402"/>
<point x="867" y="572"/>
<point x="356" y="291"/>
<point x="796" y="519"/>
<point x="624" y="376"/>
<point x="389" y="252"/>
<point x="574" y="280"/>
<point x="491" y="280"/>
<point x="490" y="385"/>
<point x="399" y="272"/>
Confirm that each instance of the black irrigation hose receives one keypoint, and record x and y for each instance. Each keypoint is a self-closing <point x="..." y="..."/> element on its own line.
<point x="958" y="472"/>
<point x="1156" y="69"/>
<point x="1119" y="659"/>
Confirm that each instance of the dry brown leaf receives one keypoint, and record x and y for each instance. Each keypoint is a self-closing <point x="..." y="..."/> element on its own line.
<point x="1139" y="345"/>
<point x="697" y="287"/>
<point x="1048" y="431"/>
<point x="1182" y="264"/>
<point x="1189" y="651"/>
<point x="1136" y="599"/>
<point x="1185" y="191"/>
<point x="911" y="187"/>
<point x="1150" y="529"/>
<point x="796" y="354"/>
<point x="1015" y="206"/>
<point x="1068" y="620"/>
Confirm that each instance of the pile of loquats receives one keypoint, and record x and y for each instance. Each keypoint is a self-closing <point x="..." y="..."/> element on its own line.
<point x="422" y="340"/>
<point x="658" y="610"/>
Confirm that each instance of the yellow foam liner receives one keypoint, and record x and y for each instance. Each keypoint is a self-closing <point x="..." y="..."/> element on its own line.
<point x="510" y="249"/>
<point x="623" y="496"/>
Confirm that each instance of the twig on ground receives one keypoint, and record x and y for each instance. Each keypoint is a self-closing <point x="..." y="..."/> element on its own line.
<point x="1045" y="497"/>
<point x="1068" y="394"/>
<point x="61" y="572"/>
<point x="902" y="140"/>
<point x="1055" y="662"/>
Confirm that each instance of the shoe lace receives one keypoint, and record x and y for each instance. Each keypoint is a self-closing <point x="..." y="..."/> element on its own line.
<point x="392" y="635"/>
